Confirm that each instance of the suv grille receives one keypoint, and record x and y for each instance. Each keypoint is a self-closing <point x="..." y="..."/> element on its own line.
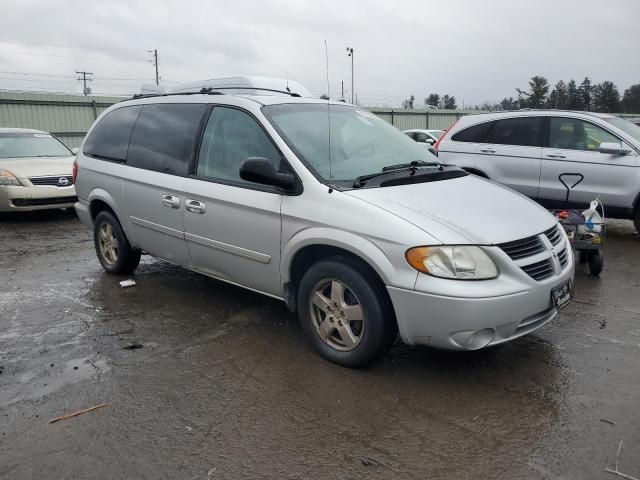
<point x="52" y="181"/>
<point x="522" y="248"/>
<point x="539" y="270"/>
<point x="553" y="234"/>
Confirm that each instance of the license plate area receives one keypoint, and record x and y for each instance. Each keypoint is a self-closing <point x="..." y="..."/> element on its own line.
<point x="562" y="295"/>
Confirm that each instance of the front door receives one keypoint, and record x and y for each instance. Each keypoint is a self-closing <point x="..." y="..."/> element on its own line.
<point x="574" y="172"/>
<point x="232" y="226"/>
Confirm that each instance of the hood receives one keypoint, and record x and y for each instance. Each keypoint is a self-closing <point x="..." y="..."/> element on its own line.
<point x="462" y="210"/>
<point x="37" y="166"/>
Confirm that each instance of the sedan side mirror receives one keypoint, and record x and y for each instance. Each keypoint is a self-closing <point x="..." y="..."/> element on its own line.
<point x="261" y="170"/>
<point x="430" y="141"/>
<point x="613" y="148"/>
<point x="75" y="150"/>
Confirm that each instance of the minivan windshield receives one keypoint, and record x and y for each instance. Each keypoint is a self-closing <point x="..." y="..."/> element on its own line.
<point x="626" y="126"/>
<point x="21" y="145"/>
<point x="360" y="142"/>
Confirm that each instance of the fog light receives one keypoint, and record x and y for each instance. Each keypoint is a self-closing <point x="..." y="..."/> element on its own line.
<point x="474" y="339"/>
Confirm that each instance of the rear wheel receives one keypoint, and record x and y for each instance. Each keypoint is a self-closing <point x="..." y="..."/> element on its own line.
<point x="636" y="219"/>
<point x="112" y="247"/>
<point x="344" y="313"/>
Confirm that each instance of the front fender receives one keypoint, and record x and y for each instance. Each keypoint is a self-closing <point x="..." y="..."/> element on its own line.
<point x="369" y="252"/>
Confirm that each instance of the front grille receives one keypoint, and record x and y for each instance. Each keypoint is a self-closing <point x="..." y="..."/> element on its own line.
<point x="554" y="235"/>
<point x="52" y="181"/>
<point x="563" y="257"/>
<point x="38" y="202"/>
<point x="522" y="248"/>
<point x="539" y="270"/>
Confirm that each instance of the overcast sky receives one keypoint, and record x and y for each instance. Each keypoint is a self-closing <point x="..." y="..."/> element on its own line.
<point x="475" y="50"/>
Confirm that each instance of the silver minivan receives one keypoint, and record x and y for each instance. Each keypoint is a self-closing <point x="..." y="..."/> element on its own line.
<point x="326" y="207"/>
<point x="561" y="159"/>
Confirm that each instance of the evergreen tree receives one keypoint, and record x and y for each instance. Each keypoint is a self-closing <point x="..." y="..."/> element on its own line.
<point x="560" y="95"/>
<point x="606" y="97"/>
<point x="631" y="99"/>
<point x="536" y="97"/>
<point x="433" y="100"/>
<point x="585" y="90"/>
<point x="573" y="96"/>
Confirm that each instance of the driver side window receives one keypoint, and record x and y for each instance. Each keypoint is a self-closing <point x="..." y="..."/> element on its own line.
<point x="230" y="137"/>
<point x="574" y="134"/>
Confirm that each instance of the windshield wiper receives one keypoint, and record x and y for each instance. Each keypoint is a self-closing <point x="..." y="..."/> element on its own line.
<point x="413" y="164"/>
<point x="410" y="166"/>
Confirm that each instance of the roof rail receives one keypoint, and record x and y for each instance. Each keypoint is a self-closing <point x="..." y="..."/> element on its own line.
<point x="239" y="85"/>
<point x="203" y="91"/>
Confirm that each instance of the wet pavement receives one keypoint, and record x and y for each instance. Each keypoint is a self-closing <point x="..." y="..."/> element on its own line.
<point x="209" y="381"/>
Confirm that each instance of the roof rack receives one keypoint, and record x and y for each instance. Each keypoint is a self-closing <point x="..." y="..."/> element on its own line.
<point x="240" y="85"/>
<point x="203" y="91"/>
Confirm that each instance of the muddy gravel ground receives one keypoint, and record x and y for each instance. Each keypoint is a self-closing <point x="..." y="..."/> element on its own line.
<point x="209" y="381"/>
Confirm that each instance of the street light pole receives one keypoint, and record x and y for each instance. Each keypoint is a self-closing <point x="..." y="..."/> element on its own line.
<point x="350" y="53"/>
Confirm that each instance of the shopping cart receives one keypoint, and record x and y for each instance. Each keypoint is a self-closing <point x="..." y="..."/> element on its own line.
<point x="586" y="236"/>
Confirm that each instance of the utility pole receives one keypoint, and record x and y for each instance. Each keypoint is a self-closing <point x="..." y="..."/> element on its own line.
<point x="350" y="53"/>
<point x="86" y="90"/>
<point x="155" y="63"/>
<point x="342" y="94"/>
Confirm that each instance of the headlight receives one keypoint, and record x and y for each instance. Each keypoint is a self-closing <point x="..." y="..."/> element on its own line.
<point x="8" y="179"/>
<point x="457" y="262"/>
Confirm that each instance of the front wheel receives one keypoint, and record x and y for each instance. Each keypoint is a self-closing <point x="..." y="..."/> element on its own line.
<point x="636" y="219"/>
<point x="112" y="247"/>
<point x="344" y="312"/>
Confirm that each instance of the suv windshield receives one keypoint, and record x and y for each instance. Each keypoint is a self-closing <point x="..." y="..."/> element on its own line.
<point x="626" y="126"/>
<point x="20" y="145"/>
<point x="361" y="143"/>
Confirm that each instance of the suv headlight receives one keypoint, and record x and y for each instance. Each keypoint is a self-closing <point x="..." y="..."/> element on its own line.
<point x="8" y="179"/>
<point x="456" y="262"/>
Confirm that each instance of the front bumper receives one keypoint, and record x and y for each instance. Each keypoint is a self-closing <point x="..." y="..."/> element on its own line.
<point x="472" y="322"/>
<point x="17" y="199"/>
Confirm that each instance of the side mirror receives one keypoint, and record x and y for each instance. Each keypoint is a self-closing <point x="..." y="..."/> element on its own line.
<point x="75" y="150"/>
<point x="430" y="141"/>
<point x="261" y="170"/>
<point x="613" y="148"/>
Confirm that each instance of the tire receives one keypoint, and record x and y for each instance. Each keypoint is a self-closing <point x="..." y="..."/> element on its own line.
<point x="349" y="342"/>
<point x="112" y="247"/>
<point x="595" y="263"/>
<point x="636" y="219"/>
<point x="583" y="256"/>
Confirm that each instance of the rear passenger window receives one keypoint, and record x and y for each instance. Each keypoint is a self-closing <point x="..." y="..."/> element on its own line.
<point x="525" y="131"/>
<point x="232" y="136"/>
<point x="474" y="134"/>
<point x="164" y="137"/>
<point x="109" y="139"/>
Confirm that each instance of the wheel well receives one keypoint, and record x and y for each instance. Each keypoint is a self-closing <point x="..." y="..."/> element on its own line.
<point x="311" y="254"/>
<point x="98" y="206"/>
<point x="477" y="172"/>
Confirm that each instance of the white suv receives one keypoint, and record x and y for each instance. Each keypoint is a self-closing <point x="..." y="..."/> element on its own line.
<point x="561" y="159"/>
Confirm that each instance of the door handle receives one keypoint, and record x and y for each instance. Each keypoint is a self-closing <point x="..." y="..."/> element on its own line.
<point x="487" y="150"/>
<point x="194" y="206"/>
<point x="170" y="201"/>
<point x="555" y="155"/>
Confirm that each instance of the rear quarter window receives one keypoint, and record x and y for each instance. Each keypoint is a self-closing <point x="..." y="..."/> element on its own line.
<point x="109" y="139"/>
<point x="474" y="134"/>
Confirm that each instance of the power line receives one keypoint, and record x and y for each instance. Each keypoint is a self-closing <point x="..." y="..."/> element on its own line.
<point x="5" y="52"/>
<point x="71" y="46"/>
